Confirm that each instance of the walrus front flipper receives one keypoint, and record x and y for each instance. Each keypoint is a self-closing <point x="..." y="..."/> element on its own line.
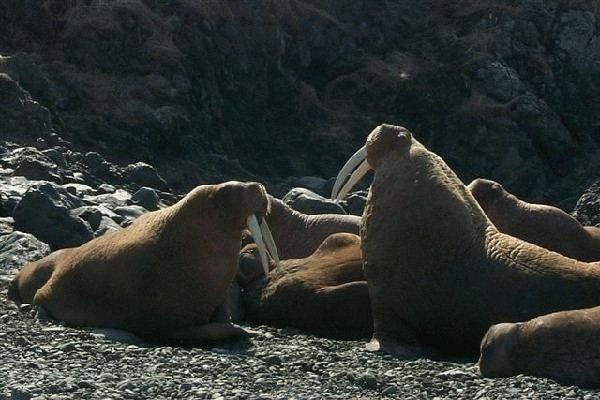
<point x="397" y="349"/>
<point x="212" y="331"/>
<point x="348" y="307"/>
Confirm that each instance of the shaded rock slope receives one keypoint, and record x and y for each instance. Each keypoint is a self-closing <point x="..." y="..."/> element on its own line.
<point x="211" y="90"/>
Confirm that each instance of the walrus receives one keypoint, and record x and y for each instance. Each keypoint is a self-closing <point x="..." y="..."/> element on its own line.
<point x="439" y="272"/>
<point x="540" y="224"/>
<point x="325" y="293"/>
<point x="163" y="277"/>
<point x="564" y="346"/>
<point x="298" y="235"/>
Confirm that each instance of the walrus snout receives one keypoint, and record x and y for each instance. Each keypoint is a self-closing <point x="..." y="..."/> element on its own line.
<point x="246" y="197"/>
<point x="380" y="141"/>
<point x="495" y="360"/>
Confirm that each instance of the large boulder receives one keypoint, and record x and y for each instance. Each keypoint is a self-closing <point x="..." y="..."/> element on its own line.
<point x="45" y="212"/>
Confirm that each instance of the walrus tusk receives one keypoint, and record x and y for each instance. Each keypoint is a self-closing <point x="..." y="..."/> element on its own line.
<point x="254" y="228"/>
<point x="269" y="241"/>
<point x="356" y="176"/>
<point x="353" y="161"/>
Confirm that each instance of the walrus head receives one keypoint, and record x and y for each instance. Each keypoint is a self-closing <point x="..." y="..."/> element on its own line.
<point x="394" y="149"/>
<point x="243" y="205"/>
<point x="486" y="191"/>
<point x="496" y="349"/>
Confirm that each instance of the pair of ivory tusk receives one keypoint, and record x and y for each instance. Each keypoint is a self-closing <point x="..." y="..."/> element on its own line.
<point x="264" y="241"/>
<point x="355" y="168"/>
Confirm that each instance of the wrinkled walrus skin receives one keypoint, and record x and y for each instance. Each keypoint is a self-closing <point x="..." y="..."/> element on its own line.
<point x="564" y="346"/>
<point x="439" y="272"/>
<point x="298" y="235"/>
<point x="544" y="225"/>
<point x="324" y="293"/>
<point x="162" y="278"/>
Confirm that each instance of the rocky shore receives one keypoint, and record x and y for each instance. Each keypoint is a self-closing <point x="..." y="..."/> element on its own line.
<point x="55" y="197"/>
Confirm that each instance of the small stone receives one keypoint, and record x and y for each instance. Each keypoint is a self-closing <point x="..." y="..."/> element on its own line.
<point x="20" y="394"/>
<point x="184" y="387"/>
<point x="367" y="380"/>
<point x="273" y="359"/>
<point x="389" y="391"/>
<point x="67" y="347"/>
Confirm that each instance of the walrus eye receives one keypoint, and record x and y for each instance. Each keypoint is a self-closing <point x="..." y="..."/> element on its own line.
<point x="402" y="139"/>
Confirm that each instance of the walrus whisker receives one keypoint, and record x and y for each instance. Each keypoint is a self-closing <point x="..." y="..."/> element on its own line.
<point x="269" y="241"/>
<point x="350" y="165"/>
<point x="254" y="228"/>
<point x="356" y="176"/>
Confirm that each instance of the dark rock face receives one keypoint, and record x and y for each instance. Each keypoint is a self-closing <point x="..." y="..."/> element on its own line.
<point x="501" y="89"/>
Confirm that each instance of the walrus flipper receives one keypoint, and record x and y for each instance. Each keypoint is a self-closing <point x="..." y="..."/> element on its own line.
<point x="398" y="349"/>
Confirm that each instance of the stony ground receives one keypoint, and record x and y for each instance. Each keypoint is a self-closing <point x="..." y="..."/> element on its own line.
<point x="44" y="360"/>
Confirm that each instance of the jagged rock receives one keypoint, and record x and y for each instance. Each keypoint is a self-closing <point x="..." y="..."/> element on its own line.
<point x="44" y="211"/>
<point x="57" y="155"/>
<point x="106" y="188"/>
<point x="6" y="225"/>
<point x="19" y="248"/>
<point x="144" y="174"/>
<point x="38" y="170"/>
<point x="20" y="115"/>
<point x="308" y="202"/>
<point x="107" y="225"/>
<point x="99" y="167"/>
<point x="12" y="191"/>
<point x="95" y="215"/>
<point x="147" y="198"/>
<point x="79" y="189"/>
<point x="587" y="209"/>
<point x="130" y="213"/>
<point x="118" y="198"/>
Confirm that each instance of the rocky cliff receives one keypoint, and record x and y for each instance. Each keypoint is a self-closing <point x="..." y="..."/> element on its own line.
<point x="211" y="90"/>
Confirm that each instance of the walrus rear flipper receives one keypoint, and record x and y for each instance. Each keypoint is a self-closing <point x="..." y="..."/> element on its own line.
<point x="30" y="278"/>
<point x="13" y="292"/>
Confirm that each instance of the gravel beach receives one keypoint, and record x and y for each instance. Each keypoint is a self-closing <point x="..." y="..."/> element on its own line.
<point x="45" y="360"/>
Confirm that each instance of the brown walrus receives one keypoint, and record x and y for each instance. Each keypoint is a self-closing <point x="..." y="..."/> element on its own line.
<point x="162" y="278"/>
<point x="439" y="272"/>
<point x="564" y="346"/>
<point x="324" y="293"/>
<point x="298" y="235"/>
<point x="541" y="224"/>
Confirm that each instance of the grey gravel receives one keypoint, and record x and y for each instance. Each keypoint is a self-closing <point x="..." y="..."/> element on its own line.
<point x="43" y="359"/>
